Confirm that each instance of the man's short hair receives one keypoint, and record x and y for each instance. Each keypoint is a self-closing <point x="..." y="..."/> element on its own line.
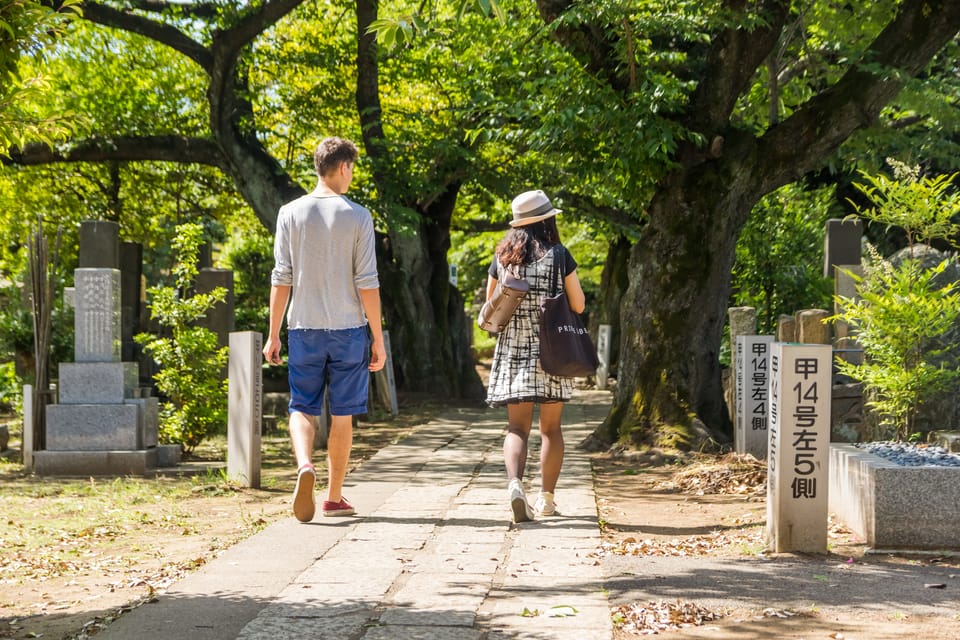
<point x="331" y="152"/>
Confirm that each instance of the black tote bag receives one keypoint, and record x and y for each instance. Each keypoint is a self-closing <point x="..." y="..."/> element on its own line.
<point x="565" y="345"/>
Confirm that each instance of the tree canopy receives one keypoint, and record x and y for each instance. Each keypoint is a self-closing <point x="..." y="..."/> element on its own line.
<point x="660" y="125"/>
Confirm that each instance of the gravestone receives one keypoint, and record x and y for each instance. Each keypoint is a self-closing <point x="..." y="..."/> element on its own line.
<point x="845" y="286"/>
<point x="99" y="245"/>
<point x="131" y="279"/>
<point x="841" y="245"/>
<point x="219" y="318"/>
<point x="96" y="324"/>
<point x="101" y="424"/>
<point x="799" y="446"/>
<point x="245" y="408"/>
<point x="753" y="374"/>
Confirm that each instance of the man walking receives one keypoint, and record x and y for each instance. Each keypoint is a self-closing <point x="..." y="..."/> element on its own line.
<point x="326" y="268"/>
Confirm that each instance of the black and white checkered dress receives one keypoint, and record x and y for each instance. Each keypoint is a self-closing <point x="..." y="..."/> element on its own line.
<point x="515" y="375"/>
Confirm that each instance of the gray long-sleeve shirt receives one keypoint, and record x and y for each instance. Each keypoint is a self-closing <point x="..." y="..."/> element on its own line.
<point x="324" y="250"/>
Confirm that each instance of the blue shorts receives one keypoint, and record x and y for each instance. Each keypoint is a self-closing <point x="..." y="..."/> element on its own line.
<point x="338" y="357"/>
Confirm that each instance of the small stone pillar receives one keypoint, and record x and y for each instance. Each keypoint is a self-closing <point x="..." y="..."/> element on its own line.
<point x="753" y="368"/>
<point x="812" y="327"/>
<point x="603" y="354"/>
<point x="385" y="382"/>
<point x="26" y="446"/>
<point x="743" y="322"/>
<point x="798" y="458"/>
<point x="245" y="408"/>
<point x="786" y="329"/>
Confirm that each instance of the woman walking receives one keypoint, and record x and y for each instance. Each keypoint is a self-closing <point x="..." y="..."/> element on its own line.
<point x="530" y="250"/>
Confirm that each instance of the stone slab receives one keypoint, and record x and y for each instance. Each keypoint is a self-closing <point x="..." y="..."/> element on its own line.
<point x="148" y="419"/>
<point x="841" y="244"/>
<point x="93" y="427"/>
<point x="95" y="463"/>
<point x="168" y="455"/>
<point x="96" y="320"/>
<point x="99" y="244"/>
<point x="894" y="507"/>
<point x="97" y="382"/>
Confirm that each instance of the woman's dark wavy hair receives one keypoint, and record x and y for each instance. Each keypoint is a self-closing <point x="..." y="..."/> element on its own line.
<point x="529" y="242"/>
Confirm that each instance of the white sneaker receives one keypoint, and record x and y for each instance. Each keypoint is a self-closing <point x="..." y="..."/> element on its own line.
<point x="518" y="502"/>
<point x="545" y="505"/>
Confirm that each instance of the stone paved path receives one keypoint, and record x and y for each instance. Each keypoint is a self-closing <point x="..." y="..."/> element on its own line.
<point x="432" y="555"/>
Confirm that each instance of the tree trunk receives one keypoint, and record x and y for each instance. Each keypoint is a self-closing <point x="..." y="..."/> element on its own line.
<point x="424" y="313"/>
<point x="668" y="383"/>
<point x="613" y="286"/>
<point x="429" y="332"/>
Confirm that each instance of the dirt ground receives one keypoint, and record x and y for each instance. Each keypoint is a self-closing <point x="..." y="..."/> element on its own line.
<point x="645" y="513"/>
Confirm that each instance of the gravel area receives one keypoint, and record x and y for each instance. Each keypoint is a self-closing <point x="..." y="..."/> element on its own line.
<point x="908" y="454"/>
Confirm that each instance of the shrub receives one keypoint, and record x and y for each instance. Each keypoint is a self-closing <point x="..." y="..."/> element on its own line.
<point x="904" y="311"/>
<point x="190" y="360"/>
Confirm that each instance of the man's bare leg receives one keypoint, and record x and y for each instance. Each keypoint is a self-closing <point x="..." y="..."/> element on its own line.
<point x="339" y="443"/>
<point x="301" y="437"/>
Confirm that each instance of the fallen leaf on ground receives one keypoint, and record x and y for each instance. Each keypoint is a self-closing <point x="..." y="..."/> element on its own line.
<point x="653" y="617"/>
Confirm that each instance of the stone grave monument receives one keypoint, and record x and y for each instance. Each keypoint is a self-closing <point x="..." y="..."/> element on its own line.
<point x="102" y="423"/>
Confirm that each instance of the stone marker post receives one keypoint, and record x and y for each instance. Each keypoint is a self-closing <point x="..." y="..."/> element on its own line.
<point x="743" y="322"/>
<point x="26" y="446"/>
<point x="603" y="354"/>
<point x="385" y="382"/>
<point x="798" y="457"/>
<point x="786" y="328"/>
<point x="753" y="376"/>
<point x="245" y="407"/>
<point x="812" y="327"/>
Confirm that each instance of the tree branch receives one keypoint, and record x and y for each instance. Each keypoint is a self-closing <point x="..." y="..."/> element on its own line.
<point x="162" y="33"/>
<point x="732" y="62"/>
<point x="904" y="48"/>
<point x="589" y="43"/>
<point x="252" y="24"/>
<point x="122" y="148"/>
<point x="193" y="10"/>
<point x="619" y="219"/>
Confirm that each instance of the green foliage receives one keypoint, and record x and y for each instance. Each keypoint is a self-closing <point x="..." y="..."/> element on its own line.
<point x="27" y="28"/>
<point x="923" y="207"/>
<point x="11" y="392"/>
<point x="899" y="322"/>
<point x="779" y="261"/>
<point x="904" y="312"/>
<point x="191" y="362"/>
<point x="16" y="328"/>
